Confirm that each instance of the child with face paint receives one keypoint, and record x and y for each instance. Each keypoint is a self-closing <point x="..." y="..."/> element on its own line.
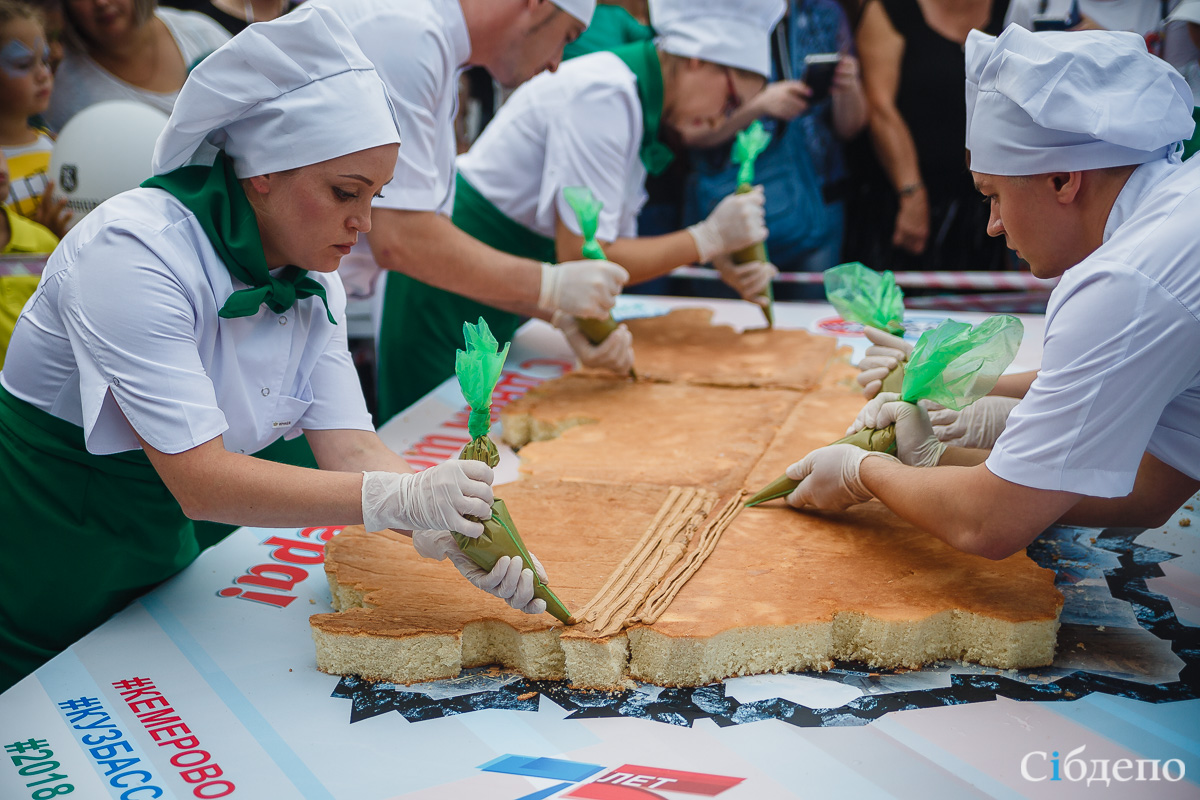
<point x="25" y="86"/>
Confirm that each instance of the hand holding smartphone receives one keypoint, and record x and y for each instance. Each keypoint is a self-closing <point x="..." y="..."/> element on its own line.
<point x="818" y="74"/>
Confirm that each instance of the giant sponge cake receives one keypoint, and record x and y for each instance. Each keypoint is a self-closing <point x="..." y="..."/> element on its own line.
<point x="642" y="532"/>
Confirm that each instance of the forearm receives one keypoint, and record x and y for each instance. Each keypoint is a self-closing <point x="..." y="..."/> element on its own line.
<point x="354" y="451"/>
<point x="649" y="257"/>
<point x="210" y="483"/>
<point x="427" y="246"/>
<point x="969" y="508"/>
<point x="643" y="257"/>
<point x="849" y="113"/>
<point x="1015" y="385"/>
<point x="1158" y="492"/>
<point x="894" y="146"/>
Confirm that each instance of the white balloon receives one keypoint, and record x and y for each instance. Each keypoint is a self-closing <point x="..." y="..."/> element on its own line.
<point x="102" y="151"/>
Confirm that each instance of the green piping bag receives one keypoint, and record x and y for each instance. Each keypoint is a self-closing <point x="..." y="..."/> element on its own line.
<point x="478" y="370"/>
<point x="587" y="211"/>
<point x="954" y="364"/>
<point x="746" y="149"/>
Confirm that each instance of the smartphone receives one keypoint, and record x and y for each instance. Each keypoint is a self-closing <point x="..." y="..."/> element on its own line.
<point x="818" y="74"/>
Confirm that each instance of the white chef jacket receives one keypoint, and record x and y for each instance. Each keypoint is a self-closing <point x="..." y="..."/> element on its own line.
<point x="579" y="126"/>
<point x="1120" y="369"/>
<point x="1143" y="17"/>
<point x="418" y="47"/>
<point x="125" y="319"/>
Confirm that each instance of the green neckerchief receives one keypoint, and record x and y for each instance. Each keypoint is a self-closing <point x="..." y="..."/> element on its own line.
<point x="642" y="60"/>
<point x="214" y="195"/>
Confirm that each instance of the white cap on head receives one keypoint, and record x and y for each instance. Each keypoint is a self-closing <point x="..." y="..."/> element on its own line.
<point x="581" y="10"/>
<point x="734" y="33"/>
<point x="281" y="94"/>
<point x="1071" y="100"/>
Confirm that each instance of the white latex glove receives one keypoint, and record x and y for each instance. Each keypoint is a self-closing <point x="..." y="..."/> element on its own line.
<point x="587" y="288"/>
<point x="509" y="580"/>
<point x="916" y="444"/>
<point x="440" y="497"/>
<point x="886" y="352"/>
<point x="829" y="478"/>
<point x="738" y="221"/>
<point x="978" y="425"/>
<point x="614" y="353"/>
<point x="748" y="280"/>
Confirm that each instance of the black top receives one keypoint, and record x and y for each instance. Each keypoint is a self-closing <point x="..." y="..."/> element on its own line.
<point x="931" y="96"/>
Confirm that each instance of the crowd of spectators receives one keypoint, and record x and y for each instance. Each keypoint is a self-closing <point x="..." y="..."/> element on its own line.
<point x="866" y="112"/>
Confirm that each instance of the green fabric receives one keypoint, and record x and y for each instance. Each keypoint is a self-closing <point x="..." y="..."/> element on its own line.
<point x="82" y="536"/>
<point x="214" y="195"/>
<point x="611" y="27"/>
<point x="642" y="60"/>
<point x="862" y="295"/>
<point x="294" y="452"/>
<point x="422" y="324"/>
<point x="1193" y="144"/>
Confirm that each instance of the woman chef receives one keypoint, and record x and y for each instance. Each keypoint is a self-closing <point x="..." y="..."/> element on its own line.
<point x="595" y="122"/>
<point x="188" y="323"/>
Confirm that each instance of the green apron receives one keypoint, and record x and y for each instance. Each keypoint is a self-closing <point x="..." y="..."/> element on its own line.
<point x="422" y="325"/>
<point x="82" y="535"/>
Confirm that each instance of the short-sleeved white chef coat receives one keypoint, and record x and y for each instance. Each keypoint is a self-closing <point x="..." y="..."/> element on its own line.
<point x="418" y="47"/>
<point x="1120" y="371"/>
<point x="579" y="126"/>
<point x="126" y="313"/>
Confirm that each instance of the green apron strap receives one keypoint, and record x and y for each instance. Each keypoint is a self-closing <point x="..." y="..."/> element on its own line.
<point x="642" y="60"/>
<point x="422" y="325"/>
<point x="83" y="535"/>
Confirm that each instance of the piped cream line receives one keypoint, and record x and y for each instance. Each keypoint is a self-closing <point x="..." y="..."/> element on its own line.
<point x="710" y="535"/>
<point x="660" y="549"/>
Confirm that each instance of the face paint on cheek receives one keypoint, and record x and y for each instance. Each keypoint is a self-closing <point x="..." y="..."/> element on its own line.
<point x="16" y="60"/>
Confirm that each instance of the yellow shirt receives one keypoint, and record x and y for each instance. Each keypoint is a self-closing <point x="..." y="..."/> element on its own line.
<point x="28" y="166"/>
<point x="26" y="236"/>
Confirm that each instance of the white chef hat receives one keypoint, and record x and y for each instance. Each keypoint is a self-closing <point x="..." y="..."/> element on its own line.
<point x="735" y="33"/>
<point x="281" y="94"/>
<point x="1071" y="100"/>
<point x="581" y="10"/>
<point x="1187" y="11"/>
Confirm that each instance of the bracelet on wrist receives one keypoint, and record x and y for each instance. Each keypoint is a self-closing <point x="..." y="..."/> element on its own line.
<point x="909" y="189"/>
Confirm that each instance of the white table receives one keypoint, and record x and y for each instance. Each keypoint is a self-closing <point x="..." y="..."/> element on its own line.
<point x="239" y="674"/>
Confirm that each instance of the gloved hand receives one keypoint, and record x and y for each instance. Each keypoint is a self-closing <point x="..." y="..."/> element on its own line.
<point x="509" y="580"/>
<point x="978" y="425"/>
<point x="738" y="221"/>
<point x="587" y="288"/>
<point x="886" y="352"/>
<point x="749" y="280"/>
<point x="829" y="478"/>
<point x="440" y="497"/>
<point x="916" y="444"/>
<point x="614" y="353"/>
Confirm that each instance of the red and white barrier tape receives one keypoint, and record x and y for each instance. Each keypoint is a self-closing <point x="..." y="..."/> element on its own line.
<point x="960" y="281"/>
